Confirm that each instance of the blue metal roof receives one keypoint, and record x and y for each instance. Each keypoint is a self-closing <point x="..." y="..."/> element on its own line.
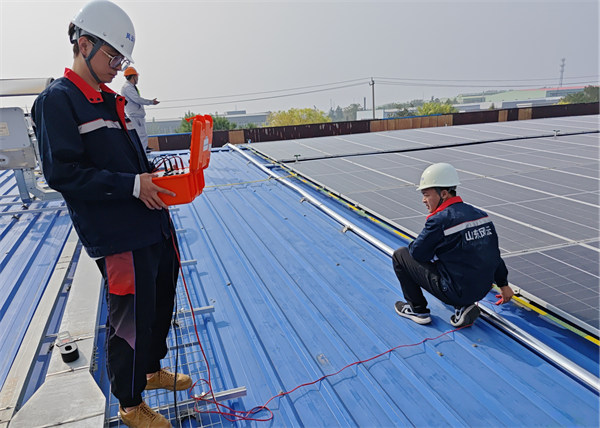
<point x="30" y="243"/>
<point x="295" y="298"/>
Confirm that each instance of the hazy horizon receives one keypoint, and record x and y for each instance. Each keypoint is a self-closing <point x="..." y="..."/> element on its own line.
<point x="209" y="57"/>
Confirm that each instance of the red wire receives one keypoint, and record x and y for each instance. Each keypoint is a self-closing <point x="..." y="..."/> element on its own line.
<point x="241" y="415"/>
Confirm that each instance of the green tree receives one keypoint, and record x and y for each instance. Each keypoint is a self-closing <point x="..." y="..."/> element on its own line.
<point x="222" y="123"/>
<point x="413" y="103"/>
<point x="296" y="116"/>
<point x="403" y="112"/>
<point x="336" y="115"/>
<point x="416" y="103"/>
<point x="588" y="95"/>
<point x="435" y="108"/>
<point x="185" y="126"/>
<point x="350" y="111"/>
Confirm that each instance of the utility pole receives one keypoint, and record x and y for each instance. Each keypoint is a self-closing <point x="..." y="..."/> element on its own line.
<point x="562" y="71"/>
<point x="372" y="84"/>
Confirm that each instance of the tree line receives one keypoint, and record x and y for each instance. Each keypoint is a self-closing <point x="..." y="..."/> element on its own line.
<point x="303" y="116"/>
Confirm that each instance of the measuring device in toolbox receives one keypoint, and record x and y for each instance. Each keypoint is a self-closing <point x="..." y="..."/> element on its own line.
<point x="187" y="182"/>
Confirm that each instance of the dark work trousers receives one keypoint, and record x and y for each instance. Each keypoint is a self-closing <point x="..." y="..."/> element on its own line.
<point x="415" y="276"/>
<point x="140" y="287"/>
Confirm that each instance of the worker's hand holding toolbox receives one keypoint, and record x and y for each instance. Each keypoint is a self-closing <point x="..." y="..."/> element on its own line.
<point x="186" y="182"/>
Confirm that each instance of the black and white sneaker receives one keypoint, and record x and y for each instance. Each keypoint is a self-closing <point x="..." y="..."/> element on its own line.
<point x="465" y="315"/>
<point x="405" y="310"/>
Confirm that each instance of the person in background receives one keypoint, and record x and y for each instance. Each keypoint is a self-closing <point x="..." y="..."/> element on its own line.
<point x="455" y="257"/>
<point x="101" y="170"/>
<point x="135" y="104"/>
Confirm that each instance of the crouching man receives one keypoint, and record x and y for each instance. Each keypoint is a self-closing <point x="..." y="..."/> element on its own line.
<point x="455" y="257"/>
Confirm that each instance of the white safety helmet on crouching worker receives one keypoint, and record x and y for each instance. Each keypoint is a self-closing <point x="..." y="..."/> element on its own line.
<point x="106" y="21"/>
<point x="439" y="175"/>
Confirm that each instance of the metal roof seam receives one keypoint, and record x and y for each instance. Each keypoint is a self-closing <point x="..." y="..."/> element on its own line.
<point x="251" y="330"/>
<point x="540" y="345"/>
<point x="244" y="204"/>
<point x="310" y="359"/>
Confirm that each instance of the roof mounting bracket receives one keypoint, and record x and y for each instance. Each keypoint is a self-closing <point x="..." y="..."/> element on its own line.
<point x="18" y="151"/>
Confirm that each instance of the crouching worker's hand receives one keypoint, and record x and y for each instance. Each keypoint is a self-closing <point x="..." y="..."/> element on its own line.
<point x="149" y="192"/>
<point x="506" y="293"/>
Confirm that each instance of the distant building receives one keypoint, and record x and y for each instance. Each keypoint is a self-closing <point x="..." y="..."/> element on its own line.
<point x="512" y="99"/>
<point x="243" y="119"/>
<point x="239" y="117"/>
<point x="162" y="127"/>
<point x="518" y="95"/>
<point x="487" y="105"/>
<point x="379" y="114"/>
<point x="533" y="94"/>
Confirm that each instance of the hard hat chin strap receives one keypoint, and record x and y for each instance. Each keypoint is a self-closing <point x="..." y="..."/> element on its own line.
<point x="97" y="46"/>
<point x="439" y="192"/>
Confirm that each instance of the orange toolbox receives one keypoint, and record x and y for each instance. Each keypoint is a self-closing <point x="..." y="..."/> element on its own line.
<point x="186" y="182"/>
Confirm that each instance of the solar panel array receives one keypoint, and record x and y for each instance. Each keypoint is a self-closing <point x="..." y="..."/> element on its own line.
<point x="538" y="180"/>
<point x="422" y="138"/>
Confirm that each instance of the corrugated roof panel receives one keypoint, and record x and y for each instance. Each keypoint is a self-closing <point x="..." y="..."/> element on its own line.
<point x="30" y="244"/>
<point x="296" y="298"/>
<point x="538" y="192"/>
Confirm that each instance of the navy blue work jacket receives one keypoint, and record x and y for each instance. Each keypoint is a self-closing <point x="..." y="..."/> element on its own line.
<point x="90" y="157"/>
<point x="462" y="242"/>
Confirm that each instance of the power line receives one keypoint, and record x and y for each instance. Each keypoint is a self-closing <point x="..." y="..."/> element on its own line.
<point x="390" y="81"/>
<point x="261" y="98"/>
<point x="450" y="85"/>
<point x="399" y="81"/>
<point x="365" y="80"/>
<point x="484" y="80"/>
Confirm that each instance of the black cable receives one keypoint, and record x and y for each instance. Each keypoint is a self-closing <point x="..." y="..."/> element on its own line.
<point x="263" y="98"/>
<point x="175" y="325"/>
<point x="365" y="79"/>
<point x="265" y="92"/>
<point x="550" y="79"/>
<point x="467" y="85"/>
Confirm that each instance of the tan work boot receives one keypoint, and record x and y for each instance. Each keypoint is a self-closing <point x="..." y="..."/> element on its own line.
<point x="165" y="379"/>
<point x="143" y="417"/>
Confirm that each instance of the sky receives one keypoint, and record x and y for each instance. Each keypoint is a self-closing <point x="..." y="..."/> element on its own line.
<point x="218" y="56"/>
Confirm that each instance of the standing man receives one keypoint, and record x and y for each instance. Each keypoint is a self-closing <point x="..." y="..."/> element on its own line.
<point x="100" y="168"/>
<point x="455" y="257"/>
<point x="135" y="104"/>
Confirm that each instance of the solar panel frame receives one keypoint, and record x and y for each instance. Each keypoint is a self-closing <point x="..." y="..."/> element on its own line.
<point x="423" y="138"/>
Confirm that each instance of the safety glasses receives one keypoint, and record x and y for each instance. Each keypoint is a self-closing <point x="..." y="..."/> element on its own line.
<point x="116" y="61"/>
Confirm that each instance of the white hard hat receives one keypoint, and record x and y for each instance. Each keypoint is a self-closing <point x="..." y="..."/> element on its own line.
<point x="108" y="22"/>
<point x="439" y="175"/>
